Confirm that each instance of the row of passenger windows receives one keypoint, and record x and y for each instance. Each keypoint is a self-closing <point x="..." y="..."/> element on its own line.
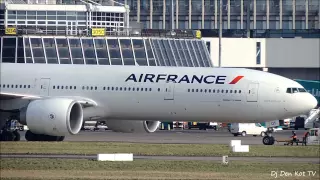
<point x="123" y="88"/>
<point x="214" y="91"/>
<point x="15" y="86"/>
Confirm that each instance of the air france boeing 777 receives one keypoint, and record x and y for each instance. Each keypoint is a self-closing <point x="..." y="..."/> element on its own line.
<point x="53" y="100"/>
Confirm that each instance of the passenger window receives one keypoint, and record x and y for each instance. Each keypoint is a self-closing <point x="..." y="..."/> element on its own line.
<point x="112" y="88"/>
<point x="120" y="88"/>
<point x="222" y="91"/>
<point x="209" y="90"/>
<point x="58" y="87"/>
<point x="24" y="86"/>
<point x="61" y="87"/>
<point x="205" y="90"/>
<point x="66" y="87"/>
<point x="218" y="91"/>
<point x="146" y="89"/>
<point x="150" y="89"/>
<point x="213" y="90"/>
<point x="104" y="88"/>
<point x="95" y="88"/>
<point x="158" y="89"/>
<point x="4" y="86"/>
<point x="70" y="87"/>
<point x="230" y="91"/>
<point x="116" y="88"/>
<point x="239" y="91"/>
<point x="87" y="87"/>
<point x="137" y="89"/>
<point x="196" y="90"/>
<point x="28" y="86"/>
<point x="74" y="87"/>
<point x="54" y="87"/>
<point x="129" y="89"/>
<point x="20" y="86"/>
<point x="12" y="86"/>
<point x="226" y="91"/>
<point x="235" y="91"/>
<point x="133" y="89"/>
<point x="108" y="88"/>
<point x="8" y="86"/>
<point x="124" y="88"/>
<point x="16" y="86"/>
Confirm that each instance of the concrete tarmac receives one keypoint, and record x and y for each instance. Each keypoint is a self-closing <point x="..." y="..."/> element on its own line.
<point x="174" y="137"/>
<point x="177" y="158"/>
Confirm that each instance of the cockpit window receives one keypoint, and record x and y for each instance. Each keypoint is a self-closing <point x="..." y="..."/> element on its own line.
<point x="289" y="90"/>
<point x="295" y="90"/>
<point x="302" y="90"/>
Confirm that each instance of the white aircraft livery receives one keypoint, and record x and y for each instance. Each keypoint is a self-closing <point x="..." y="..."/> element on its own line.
<point x="54" y="100"/>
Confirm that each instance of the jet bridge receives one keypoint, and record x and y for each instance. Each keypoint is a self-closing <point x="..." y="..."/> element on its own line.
<point x="313" y="119"/>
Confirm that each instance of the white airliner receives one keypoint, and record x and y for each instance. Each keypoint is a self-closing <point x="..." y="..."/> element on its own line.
<point x="53" y="100"/>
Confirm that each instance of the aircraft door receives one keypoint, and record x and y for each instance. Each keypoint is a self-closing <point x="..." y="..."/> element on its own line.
<point x="44" y="86"/>
<point x="169" y="91"/>
<point x="252" y="92"/>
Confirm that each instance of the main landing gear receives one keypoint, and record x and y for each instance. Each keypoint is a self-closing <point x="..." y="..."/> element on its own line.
<point x="30" y="136"/>
<point x="268" y="139"/>
<point x="10" y="131"/>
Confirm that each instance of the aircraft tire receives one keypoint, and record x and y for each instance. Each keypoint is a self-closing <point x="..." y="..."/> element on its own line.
<point x="243" y="133"/>
<point x="267" y="140"/>
<point x="263" y="134"/>
<point x="7" y="136"/>
<point x="17" y="136"/>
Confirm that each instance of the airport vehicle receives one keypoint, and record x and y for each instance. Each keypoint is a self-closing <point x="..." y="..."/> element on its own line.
<point x="248" y="128"/>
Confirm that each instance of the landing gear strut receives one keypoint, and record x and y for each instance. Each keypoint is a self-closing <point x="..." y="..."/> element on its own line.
<point x="30" y="136"/>
<point x="268" y="139"/>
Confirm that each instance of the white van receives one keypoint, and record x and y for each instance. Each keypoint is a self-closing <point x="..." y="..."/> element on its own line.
<point x="247" y="128"/>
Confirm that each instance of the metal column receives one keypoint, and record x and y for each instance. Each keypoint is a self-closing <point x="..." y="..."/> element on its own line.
<point x="307" y="14"/>
<point x="248" y="18"/>
<point x="293" y="14"/>
<point x="215" y="14"/>
<point x="138" y="10"/>
<point x="220" y="31"/>
<point x="164" y="15"/>
<point x="202" y="15"/>
<point x="229" y="14"/>
<point x="268" y="13"/>
<point x="280" y="3"/>
<point x="151" y="13"/>
<point x="190" y="12"/>
<point x="241" y="15"/>
<point x="171" y="14"/>
<point x="177" y="14"/>
<point x="254" y="14"/>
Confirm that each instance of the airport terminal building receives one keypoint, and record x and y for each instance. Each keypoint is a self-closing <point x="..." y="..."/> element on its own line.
<point x="279" y="36"/>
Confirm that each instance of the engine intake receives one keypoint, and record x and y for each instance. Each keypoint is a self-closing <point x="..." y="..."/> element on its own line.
<point x="54" y="116"/>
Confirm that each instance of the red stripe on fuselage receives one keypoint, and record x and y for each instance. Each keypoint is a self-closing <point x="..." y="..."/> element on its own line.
<point x="235" y="80"/>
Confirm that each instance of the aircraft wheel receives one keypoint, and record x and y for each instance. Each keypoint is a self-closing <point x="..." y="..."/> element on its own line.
<point x="263" y="134"/>
<point x="243" y="133"/>
<point x="17" y="136"/>
<point x="268" y="140"/>
<point x="7" y="136"/>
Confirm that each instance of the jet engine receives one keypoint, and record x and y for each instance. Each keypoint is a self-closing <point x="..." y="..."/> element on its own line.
<point x="54" y="116"/>
<point x="132" y="126"/>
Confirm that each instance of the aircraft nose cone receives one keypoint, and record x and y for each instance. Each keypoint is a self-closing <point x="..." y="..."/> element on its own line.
<point x="313" y="102"/>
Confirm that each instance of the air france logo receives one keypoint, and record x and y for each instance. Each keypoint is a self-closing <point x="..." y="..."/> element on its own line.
<point x="209" y="79"/>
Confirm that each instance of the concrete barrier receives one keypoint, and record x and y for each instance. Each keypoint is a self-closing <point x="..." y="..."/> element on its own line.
<point x="235" y="143"/>
<point x="115" y="157"/>
<point x="241" y="148"/>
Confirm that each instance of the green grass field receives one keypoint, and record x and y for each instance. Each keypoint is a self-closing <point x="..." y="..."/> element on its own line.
<point x="147" y="169"/>
<point x="155" y="149"/>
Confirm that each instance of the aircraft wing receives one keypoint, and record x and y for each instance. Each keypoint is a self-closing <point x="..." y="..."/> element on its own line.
<point x="85" y="102"/>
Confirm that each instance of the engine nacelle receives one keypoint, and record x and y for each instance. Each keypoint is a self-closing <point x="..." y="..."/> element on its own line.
<point x="132" y="126"/>
<point x="54" y="116"/>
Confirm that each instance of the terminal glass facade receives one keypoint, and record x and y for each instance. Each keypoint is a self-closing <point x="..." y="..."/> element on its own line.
<point x="104" y="51"/>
